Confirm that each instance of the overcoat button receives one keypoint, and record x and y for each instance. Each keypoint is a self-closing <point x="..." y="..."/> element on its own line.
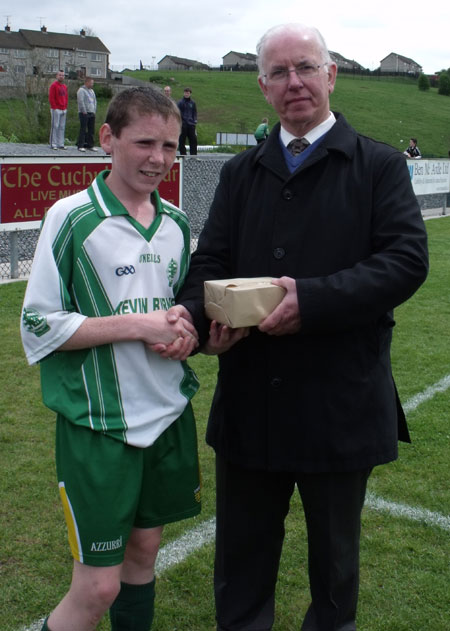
<point x="287" y="194"/>
<point x="276" y="382"/>
<point x="279" y="253"/>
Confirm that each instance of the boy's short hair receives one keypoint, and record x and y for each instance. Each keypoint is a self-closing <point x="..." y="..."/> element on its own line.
<point x="139" y="100"/>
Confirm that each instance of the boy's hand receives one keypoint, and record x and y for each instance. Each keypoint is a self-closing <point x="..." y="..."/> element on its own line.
<point x="222" y="338"/>
<point x="182" y="346"/>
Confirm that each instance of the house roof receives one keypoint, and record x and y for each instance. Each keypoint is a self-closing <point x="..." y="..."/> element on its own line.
<point x="402" y="58"/>
<point x="9" y="39"/>
<point x="65" y="41"/>
<point x="338" y="57"/>
<point x="248" y="56"/>
<point x="182" y="61"/>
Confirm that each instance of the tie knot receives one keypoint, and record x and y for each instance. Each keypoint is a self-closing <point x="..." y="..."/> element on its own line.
<point x="297" y="145"/>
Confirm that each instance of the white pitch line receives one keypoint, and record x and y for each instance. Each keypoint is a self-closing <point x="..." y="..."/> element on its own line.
<point x="413" y="513"/>
<point x="427" y="394"/>
<point x="178" y="550"/>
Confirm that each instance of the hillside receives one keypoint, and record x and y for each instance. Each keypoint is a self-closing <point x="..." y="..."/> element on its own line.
<point x="391" y="110"/>
<point x="385" y="109"/>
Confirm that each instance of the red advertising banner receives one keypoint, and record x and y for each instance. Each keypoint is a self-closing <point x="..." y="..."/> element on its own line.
<point x="28" y="189"/>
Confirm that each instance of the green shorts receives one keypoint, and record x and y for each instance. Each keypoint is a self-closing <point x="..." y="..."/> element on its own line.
<point x="108" y="487"/>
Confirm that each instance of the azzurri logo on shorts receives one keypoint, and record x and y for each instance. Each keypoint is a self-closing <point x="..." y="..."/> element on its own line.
<point x="125" y="270"/>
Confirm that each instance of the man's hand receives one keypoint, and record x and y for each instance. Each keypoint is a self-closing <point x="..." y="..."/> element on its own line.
<point x="183" y="345"/>
<point x="284" y="319"/>
<point x="222" y="338"/>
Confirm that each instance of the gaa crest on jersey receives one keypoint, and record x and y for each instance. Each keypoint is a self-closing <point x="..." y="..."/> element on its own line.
<point x="171" y="271"/>
<point x="35" y="322"/>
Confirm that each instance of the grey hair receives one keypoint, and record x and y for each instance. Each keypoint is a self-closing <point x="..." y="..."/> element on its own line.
<point x="292" y="28"/>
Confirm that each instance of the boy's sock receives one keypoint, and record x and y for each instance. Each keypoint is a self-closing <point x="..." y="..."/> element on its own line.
<point x="133" y="608"/>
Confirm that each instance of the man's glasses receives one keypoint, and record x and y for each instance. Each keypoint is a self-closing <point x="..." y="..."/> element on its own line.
<point x="303" y="71"/>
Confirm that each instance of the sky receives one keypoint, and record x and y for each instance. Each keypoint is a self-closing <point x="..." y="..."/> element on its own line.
<point x="145" y="30"/>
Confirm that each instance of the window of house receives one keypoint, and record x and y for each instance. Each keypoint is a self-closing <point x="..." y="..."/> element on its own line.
<point x="95" y="72"/>
<point x="96" y="57"/>
<point x="19" y="69"/>
<point x="4" y="51"/>
<point x="51" y="52"/>
<point x="20" y="54"/>
<point x="81" y="54"/>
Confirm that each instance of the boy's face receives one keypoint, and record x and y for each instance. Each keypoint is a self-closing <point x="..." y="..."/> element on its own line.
<point x="143" y="153"/>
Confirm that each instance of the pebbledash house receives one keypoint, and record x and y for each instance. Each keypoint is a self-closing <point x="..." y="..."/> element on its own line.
<point x="26" y="53"/>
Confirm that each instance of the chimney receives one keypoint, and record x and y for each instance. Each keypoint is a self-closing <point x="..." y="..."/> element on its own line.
<point x="83" y="33"/>
<point x="43" y="29"/>
<point x="7" y="28"/>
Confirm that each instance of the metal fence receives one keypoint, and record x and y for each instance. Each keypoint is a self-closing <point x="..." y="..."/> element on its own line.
<point x="200" y="178"/>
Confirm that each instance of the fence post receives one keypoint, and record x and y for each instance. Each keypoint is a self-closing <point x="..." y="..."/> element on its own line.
<point x="14" y="254"/>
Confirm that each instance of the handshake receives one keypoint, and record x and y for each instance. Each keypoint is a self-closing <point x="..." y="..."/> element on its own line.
<point x="178" y="318"/>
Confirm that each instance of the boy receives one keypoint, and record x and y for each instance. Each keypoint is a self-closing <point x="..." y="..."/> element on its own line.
<point x="109" y="260"/>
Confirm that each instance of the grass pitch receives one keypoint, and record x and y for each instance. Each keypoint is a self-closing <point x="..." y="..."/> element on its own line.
<point x="404" y="555"/>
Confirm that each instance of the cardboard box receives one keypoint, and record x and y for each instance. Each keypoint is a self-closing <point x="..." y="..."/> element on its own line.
<point x="239" y="302"/>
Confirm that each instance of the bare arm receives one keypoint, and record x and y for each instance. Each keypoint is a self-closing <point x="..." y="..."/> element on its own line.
<point x="150" y="328"/>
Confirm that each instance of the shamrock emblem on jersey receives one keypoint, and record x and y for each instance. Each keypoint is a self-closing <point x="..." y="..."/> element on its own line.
<point x="171" y="271"/>
<point x="35" y="322"/>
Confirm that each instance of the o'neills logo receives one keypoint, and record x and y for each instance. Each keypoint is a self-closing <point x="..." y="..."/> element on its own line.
<point x="105" y="546"/>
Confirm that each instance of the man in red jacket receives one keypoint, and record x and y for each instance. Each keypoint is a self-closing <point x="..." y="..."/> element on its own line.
<point x="58" y="99"/>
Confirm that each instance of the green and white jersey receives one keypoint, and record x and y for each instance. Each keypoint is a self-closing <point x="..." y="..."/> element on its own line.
<point x="93" y="259"/>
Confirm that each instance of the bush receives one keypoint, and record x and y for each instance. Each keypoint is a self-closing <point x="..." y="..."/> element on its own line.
<point x="423" y="83"/>
<point x="444" y="84"/>
<point x="102" y="90"/>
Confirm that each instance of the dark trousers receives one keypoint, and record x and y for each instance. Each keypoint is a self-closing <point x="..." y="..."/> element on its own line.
<point x="188" y="131"/>
<point x="251" y="509"/>
<point x="87" y="127"/>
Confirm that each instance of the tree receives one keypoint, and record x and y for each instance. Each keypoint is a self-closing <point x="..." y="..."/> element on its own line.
<point x="444" y="84"/>
<point x="423" y="83"/>
<point x="87" y="31"/>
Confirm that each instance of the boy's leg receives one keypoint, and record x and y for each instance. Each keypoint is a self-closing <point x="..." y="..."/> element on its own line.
<point x="170" y="490"/>
<point x="182" y="140"/>
<point x="92" y="591"/>
<point x="133" y="608"/>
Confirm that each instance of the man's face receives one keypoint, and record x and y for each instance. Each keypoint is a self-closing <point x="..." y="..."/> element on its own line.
<point x="167" y="91"/>
<point x="187" y="94"/>
<point x="143" y="153"/>
<point x="60" y="76"/>
<point x="90" y="83"/>
<point x="301" y="103"/>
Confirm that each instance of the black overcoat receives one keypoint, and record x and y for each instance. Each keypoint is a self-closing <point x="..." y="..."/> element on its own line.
<point x="347" y="226"/>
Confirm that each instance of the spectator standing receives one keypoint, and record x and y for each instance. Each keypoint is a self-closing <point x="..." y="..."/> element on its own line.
<point x="58" y="98"/>
<point x="87" y="108"/>
<point x="413" y="150"/>
<point x="168" y="91"/>
<point x="188" y="111"/>
<point x="307" y="400"/>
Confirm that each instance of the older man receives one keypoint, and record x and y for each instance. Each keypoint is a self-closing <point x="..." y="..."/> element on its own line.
<point x="307" y="399"/>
